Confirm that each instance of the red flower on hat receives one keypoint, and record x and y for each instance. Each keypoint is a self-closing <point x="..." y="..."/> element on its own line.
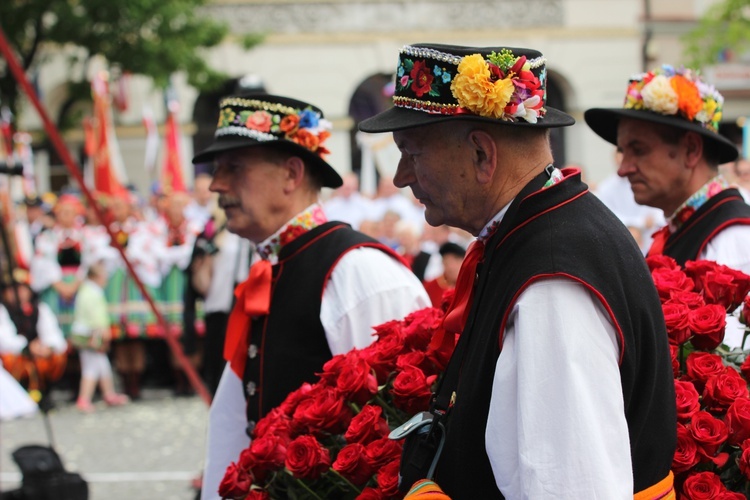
<point x="421" y="78"/>
<point x="289" y="124"/>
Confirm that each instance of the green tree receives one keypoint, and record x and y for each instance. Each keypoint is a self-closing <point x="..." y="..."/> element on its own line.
<point x="155" y="38"/>
<point x="725" y="25"/>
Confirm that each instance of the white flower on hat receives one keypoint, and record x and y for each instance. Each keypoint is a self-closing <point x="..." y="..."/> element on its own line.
<point x="659" y="96"/>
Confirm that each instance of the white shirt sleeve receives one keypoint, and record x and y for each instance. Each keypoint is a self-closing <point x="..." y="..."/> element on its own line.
<point x="556" y="426"/>
<point x="227" y="422"/>
<point x="731" y="247"/>
<point x="10" y="341"/>
<point x="49" y="330"/>
<point x="367" y="288"/>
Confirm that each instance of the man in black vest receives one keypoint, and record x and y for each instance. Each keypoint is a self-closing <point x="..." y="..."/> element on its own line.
<point x="563" y="385"/>
<point x="316" y="288"/>
<point x="667" y="131"/>
<point x="671" y="151"/>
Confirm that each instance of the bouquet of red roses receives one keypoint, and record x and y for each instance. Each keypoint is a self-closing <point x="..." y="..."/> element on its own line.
<point x="712" y="459"/>
<point x="329" y="440"/>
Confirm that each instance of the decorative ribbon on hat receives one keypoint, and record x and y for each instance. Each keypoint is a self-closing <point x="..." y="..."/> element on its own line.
<point x="252" y="298"/>
<point x="455" y="318"/>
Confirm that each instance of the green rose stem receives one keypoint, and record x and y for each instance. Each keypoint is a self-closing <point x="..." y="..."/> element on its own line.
<point x="351" y="485"/>
<point x="682" y="358"/>
<point x="302" y="483"/>
<point x="390" y="411"/>
<point x="356" y="409"/>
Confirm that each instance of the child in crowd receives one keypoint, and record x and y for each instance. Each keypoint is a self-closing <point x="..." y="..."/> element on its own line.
<point x="91" y="334"/>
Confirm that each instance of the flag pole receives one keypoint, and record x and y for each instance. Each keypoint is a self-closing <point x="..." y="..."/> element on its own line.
<point x="75" y="171"/>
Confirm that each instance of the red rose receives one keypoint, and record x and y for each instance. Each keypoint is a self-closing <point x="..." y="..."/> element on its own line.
<point x="745" y="316"/>
<point x="709" y="433"/>
<point x="738" y="420"/>
<point x="412" y="390"/>
<point x="306" y="458"/>
<point x="730" y="495"/>
<point x="332" y="369"/>
<point x="707" y="324"/>
<point x="276" y="423"/>
<point x="742" y="281"/>
<point x="700" y="366"/>
<point x="674" y="353"/>
<point x="419" y="327"/>
<point x="258" y="495"/>
<point x="688" y="400"/>
<point x="744" y="460"/>
<point x="702" y="486"/>
<point x="421" y="77"/>
<point x="382" y="451"/>
<point x="388" y="478"/>
<point x="661" y="261"/>
<point x="719" y="288"/>
<point x="382" y="354"/>
<point x="236" y="482"/>
<point x="696" y="269"/>
<point x="388" y="328"/>
<point x="667" y="280"/>
<point x="693" y="300"/>
<point x="370" y="493"/>
<point x="356" y="381"/>
<point x="351" y="464"/>
<point x="676" y="318"/>
<point x="246" y="460"/>
<point x="441" y="354"/>
<point x="324" y="410"/>
<point x="686" y="452"/>
<point x="269" y="453"/>
<point x="723" y="389"/>
<point x="367" y="426"/>
<point x="418" y="359"/>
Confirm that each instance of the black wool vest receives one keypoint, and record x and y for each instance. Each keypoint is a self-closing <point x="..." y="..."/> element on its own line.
<point x="289" y="346"/>
<point x="720" y="211"/>
<point x="562" y="231"/>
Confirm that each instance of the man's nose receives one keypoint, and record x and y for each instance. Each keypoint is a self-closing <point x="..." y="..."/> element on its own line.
<point x="626" y="167"/>
<point x="404" y="175"/>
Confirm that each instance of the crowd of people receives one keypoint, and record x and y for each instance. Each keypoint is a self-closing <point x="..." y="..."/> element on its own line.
<point x="182" y="253"/>
<point x="553" y="306"/>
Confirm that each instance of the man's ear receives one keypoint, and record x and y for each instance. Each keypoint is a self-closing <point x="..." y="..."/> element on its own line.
<point x="693" y="149"/>
<point x="484" y="155"/>
<point x="294" y="169"/>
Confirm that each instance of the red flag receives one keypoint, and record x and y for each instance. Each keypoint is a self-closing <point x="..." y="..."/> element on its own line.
<point x="105" y="180"/>
<point x="171" y="176"/>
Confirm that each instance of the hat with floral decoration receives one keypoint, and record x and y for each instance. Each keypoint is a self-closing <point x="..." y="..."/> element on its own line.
<point x="669" y="96"/>
<point x="436" y="83"/>
<point x="273" y="121"/>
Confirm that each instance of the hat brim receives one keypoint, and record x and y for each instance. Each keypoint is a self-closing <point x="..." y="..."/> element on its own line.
<point x="604" y="122"/>
<point x="328" y="175"/>
<point x="396" y="118"/>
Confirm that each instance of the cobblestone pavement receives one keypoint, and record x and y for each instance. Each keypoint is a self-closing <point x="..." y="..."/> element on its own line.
<point x="150" y="449"/>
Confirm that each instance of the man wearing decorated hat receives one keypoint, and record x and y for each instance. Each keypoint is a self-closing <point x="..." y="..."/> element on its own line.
<point x="317" y="287"/>
<point x="560" y="383"/>
<point x="667" y="130"/>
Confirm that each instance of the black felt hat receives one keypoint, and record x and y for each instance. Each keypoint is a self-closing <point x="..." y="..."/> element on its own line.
<point x="668" y="96"/>
<point x="273" y="121"/>
<point x="451" y="248"/>
<point x="437" y="83"/>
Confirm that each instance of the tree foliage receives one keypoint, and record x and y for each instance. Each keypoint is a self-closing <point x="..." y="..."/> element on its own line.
<point x="155" y="38"/>
<point x="725" y="26"/>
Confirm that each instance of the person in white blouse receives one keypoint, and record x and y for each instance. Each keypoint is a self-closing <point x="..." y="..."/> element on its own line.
<point x="331" y="284"/>
<point x="32" y="347"/>
<point x="560" y="384"/>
